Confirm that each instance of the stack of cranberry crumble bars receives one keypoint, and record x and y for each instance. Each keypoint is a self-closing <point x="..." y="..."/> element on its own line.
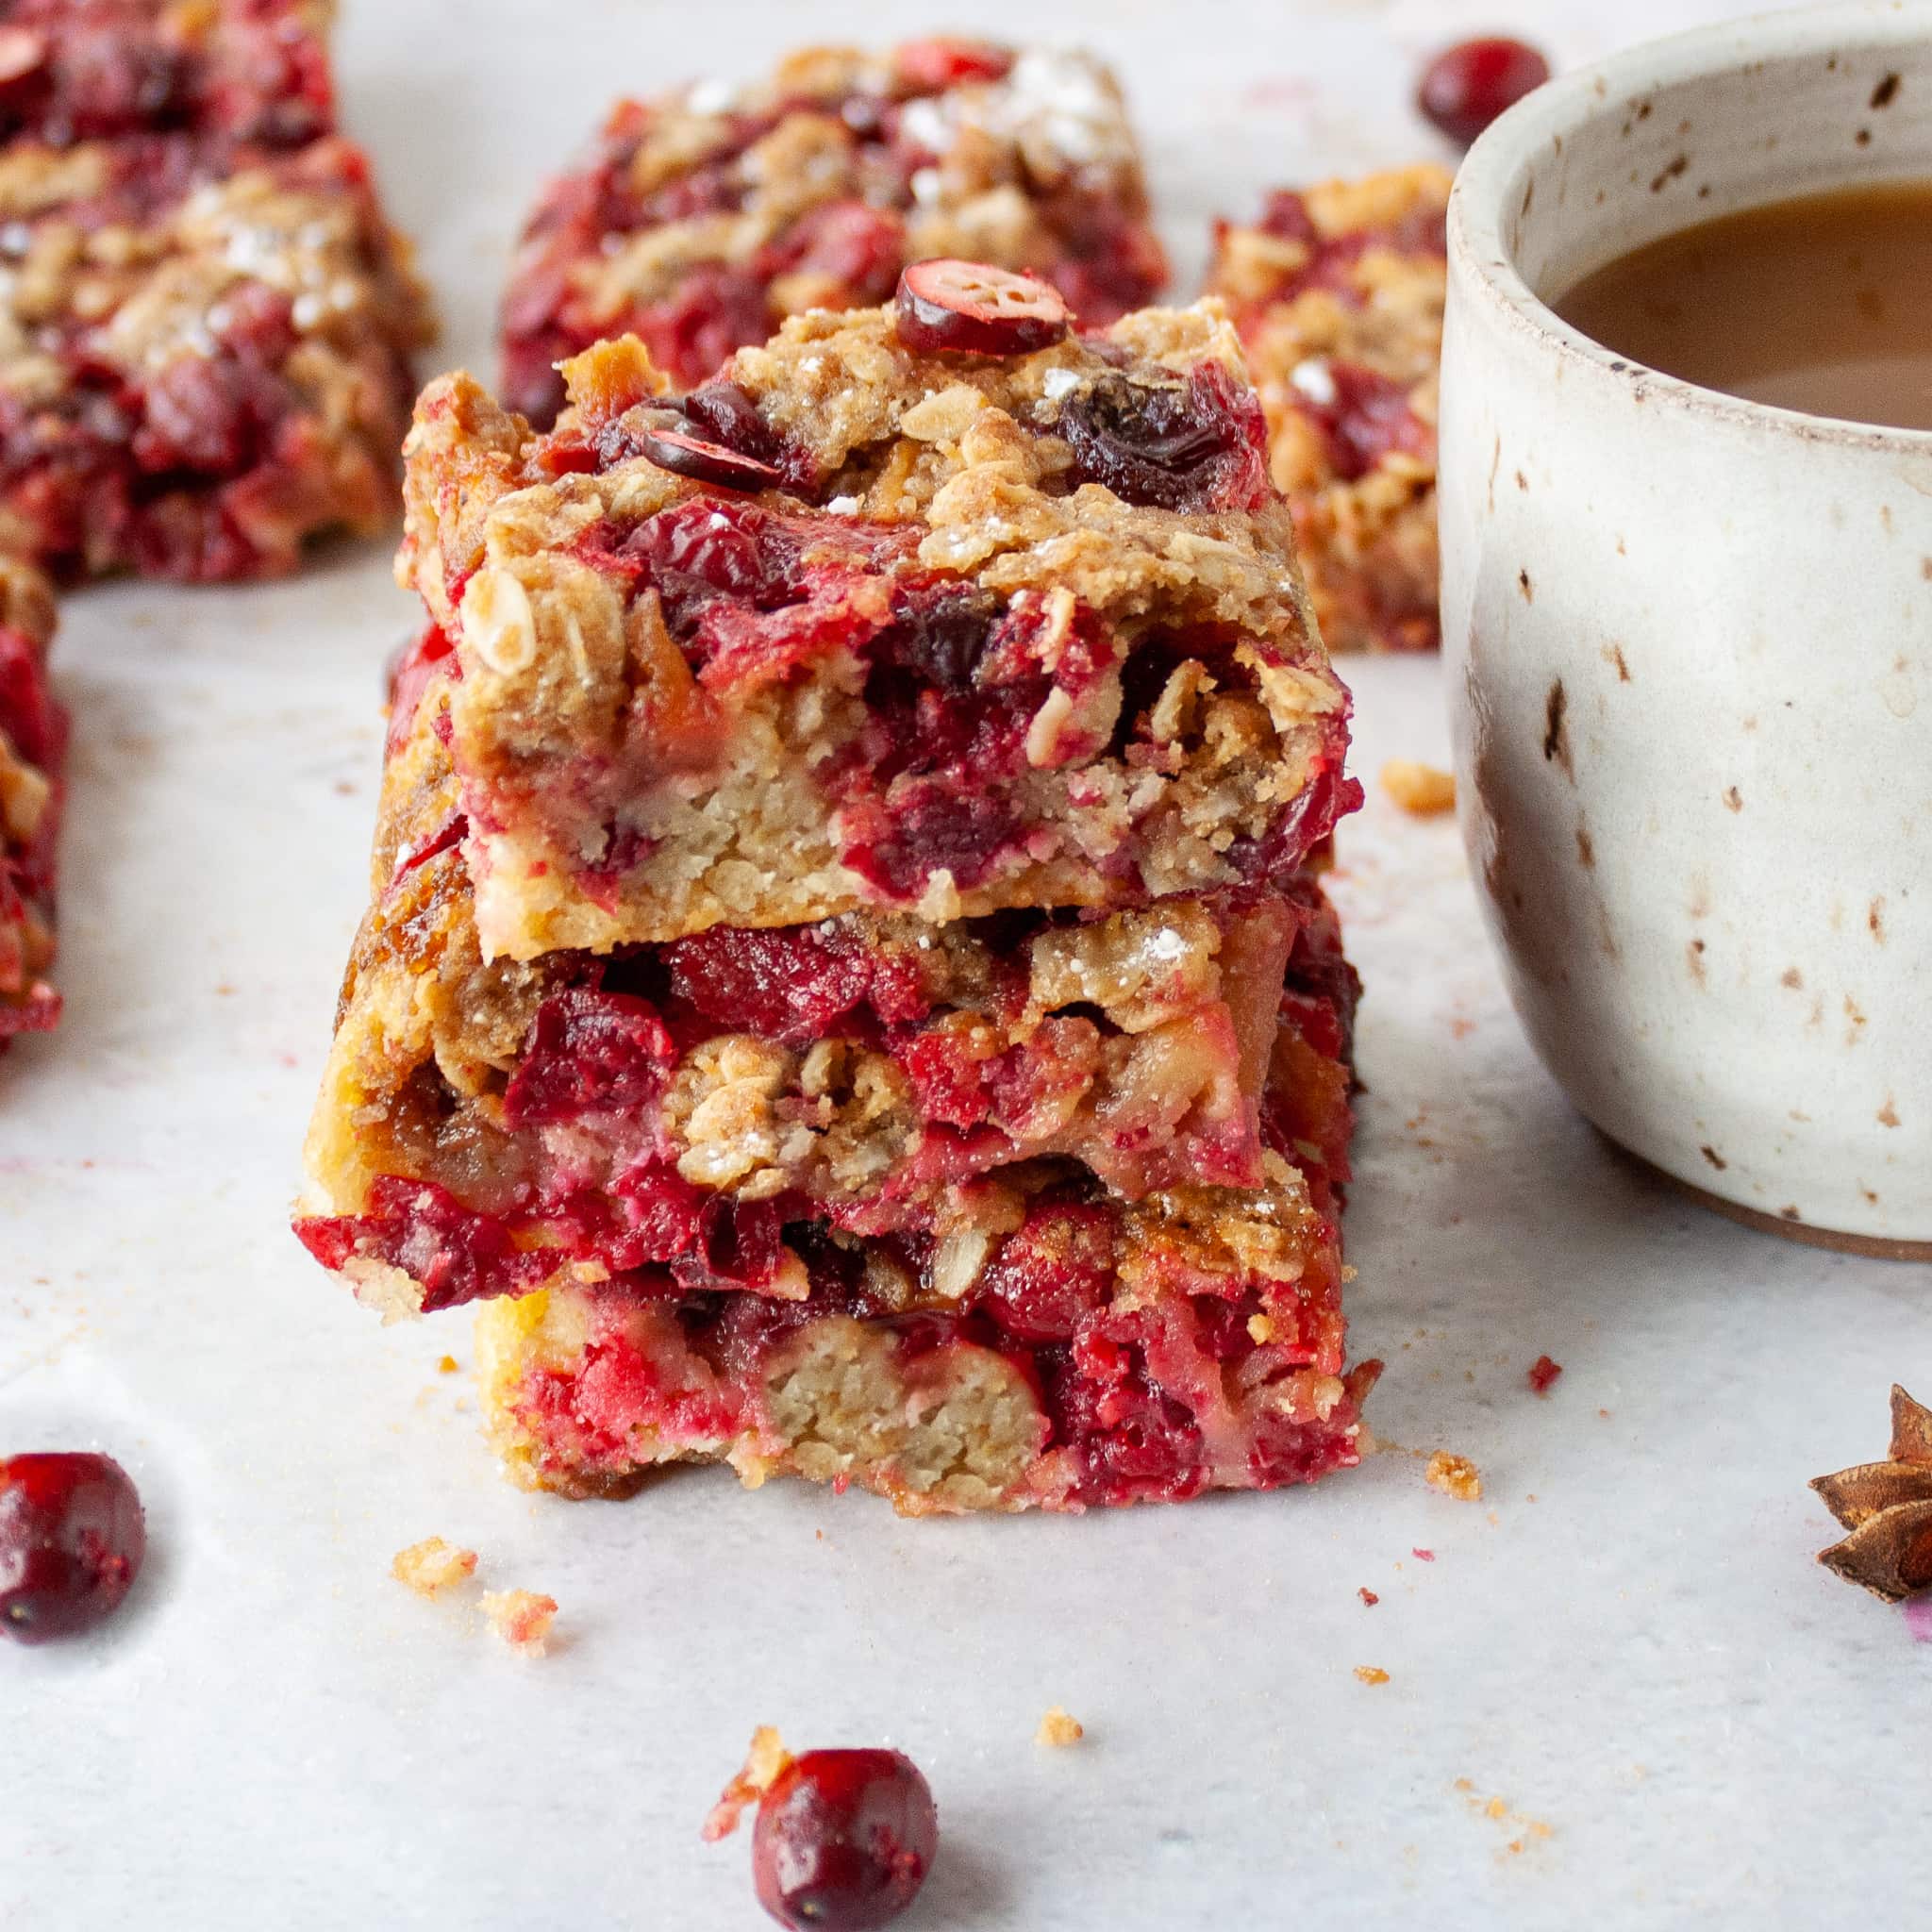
<point x="204" y="321"/>
<point x="1338" y="292"/>
<point x="700" y="221"/>
<point x="846" y="986"/>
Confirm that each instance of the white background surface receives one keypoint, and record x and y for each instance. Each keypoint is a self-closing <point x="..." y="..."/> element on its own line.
<point x="1626" y="1642"/>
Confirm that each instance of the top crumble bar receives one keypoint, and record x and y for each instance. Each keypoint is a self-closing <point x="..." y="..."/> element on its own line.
<point x="699" y="221"/>
<point x="947" y="633"/>
<point x="254" y="71"/>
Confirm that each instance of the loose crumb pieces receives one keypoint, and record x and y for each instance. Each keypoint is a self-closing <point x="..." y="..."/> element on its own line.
<point x="1422" y="789"/>
<point x="763" y="1764"/>
<point x="1368" y="1597"/>
<point x="1422" y="1555"/>
<point x="447" y="1366"/>
<point x="521" y="1618"/>
<point x="433" y="1565"/>
<point x="1542" y="1372"/>
<point x="1371" y="1673"/>
<point x="1455" y="1476"/>
<point x="1058" y="1729"/>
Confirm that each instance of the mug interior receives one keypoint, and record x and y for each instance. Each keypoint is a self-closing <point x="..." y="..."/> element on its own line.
<point x="1688" y="129"/>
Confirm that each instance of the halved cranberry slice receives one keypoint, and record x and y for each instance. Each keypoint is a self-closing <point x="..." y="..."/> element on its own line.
<point x="706" y="462"/>
<point x="965" y="306"/>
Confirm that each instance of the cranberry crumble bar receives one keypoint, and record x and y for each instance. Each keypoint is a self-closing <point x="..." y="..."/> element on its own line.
<point x="1338" y="292"/>
<point x="205" y="322"/>
<point x="1053" y="1345"/>
<point x="872" y="623"/>
<point x="89" y="70"/>
<point x="701" y="219"/>
<point x="33" y="736"/>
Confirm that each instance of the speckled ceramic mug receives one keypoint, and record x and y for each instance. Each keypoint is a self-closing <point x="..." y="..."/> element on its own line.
<point x="1689" y="646"/>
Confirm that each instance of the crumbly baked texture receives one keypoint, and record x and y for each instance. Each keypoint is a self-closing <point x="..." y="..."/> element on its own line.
<point x="1338" y="292"/>
<point x="1017" y="630"/>
<point x="522" y="1618"/>
<point x="699" y="221"/>
<point x="203" y="353"/>
<point x="88" y="70"/>
<point x="865" y="1067"/>
<point x="33" y="740"/>
<point x="433" y="1566"/>
<point x="1083" y="1351"/>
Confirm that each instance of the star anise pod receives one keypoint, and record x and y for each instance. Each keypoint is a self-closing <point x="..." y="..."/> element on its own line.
<point x="1887" y="1509"/>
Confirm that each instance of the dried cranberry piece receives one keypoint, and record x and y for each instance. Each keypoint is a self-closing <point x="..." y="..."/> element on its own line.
<point x="791" y="984"/>
<point x="843" y="1840"/>
<point x="71" y="1538"/>
<point x="706" y="462"/>
<point x="938" y="632"/>
<point x="933" y="65"/>
<point x="589" y="1052"/>
<point x="1196" y="446"/>
<point x="1055" y="1270"/>
<point x="1285" y="214"/>
<point x="974" y="309"/>
<point x="1466" y="85"/>
<point x="729" y="418"/>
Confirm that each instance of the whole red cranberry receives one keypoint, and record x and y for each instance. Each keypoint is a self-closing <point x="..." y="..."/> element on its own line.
<point x="72" y="1537"/>
<point x="1466" y="85"/>
<point x="843" y="1840"/>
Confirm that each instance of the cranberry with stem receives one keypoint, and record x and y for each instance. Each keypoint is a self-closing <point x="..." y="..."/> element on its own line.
<point x="974" y="309"/>
<point x="71" y="1538"/>
<point x="843" y="1840"/>
<point x="1466" y="85"/>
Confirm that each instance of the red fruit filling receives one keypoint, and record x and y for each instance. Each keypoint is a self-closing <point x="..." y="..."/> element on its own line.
<point x="1364" y="416"/>
<point x="71" y="1538"/>
<point x="1466" y="85"/>
<point x="1330" y="258"/>
<point x="791" y="984"/>
<point x="843" y="1840"/>
<point x="590" y="1052"/>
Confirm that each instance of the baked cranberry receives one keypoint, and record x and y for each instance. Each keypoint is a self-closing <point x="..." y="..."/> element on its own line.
<point x="965" y="306"/>
<point x="1466" y="85"/>
<point x="843" y="1840"/>
<point x="932" y="66"/>
<point x="1364" y="416"/>
<point x="705" y="462"/>
<point x="791" y="984"/>
<point x="589" y="1052"/>
<point x="1054" y="1271"/>
<point x="1171" y="445"/>
<point x="71" y="1538"/>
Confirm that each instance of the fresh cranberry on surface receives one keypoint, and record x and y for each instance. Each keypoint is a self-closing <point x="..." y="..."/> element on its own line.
<point x="967" y="306"/>
<point x="705" y="462"/>
<point x="71" y="1536"/>
<point x="843" y="1840"/>
<point x="1465" y="87"/>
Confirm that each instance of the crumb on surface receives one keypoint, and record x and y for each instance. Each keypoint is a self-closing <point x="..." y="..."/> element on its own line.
<point x="1542" y="1372"/>
<point x="522" y="1618"/>
<point x="1421" y="1557"/>
<point x="762" y="1763"/>
<point x="1371" y="1674"/>
<point x="433" y="1566"/>
<point x="1058" y="1729"/>
<point x="447" y="1366"/>
<point x="1424" y="789"/>
<point x="1368" y="1597"/>
<point x="1455" y="1476"/>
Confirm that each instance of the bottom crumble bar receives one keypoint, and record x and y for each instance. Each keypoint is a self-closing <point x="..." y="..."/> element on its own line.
<point x="33" y="740"/>
<point x="1105" y="1351"/>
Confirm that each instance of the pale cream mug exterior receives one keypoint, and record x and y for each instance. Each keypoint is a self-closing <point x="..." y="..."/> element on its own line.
<point x="1687" y="642"/>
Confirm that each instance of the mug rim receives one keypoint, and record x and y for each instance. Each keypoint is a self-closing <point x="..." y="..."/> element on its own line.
<point x="1559" y="107"/>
